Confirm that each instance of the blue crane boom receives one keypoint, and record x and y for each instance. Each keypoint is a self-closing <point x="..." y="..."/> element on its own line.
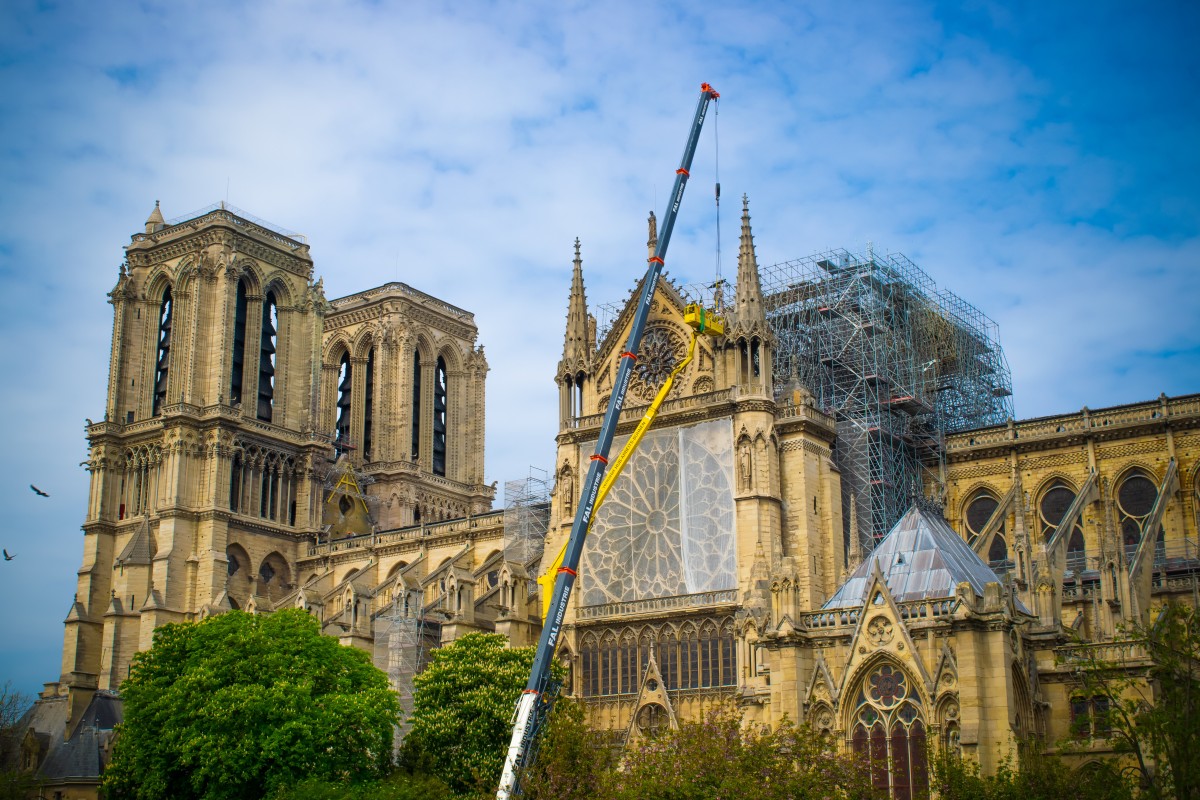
<point x="526" y="719"/>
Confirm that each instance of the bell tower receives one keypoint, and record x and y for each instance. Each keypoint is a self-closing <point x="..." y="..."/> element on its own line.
<point x="202" y="487"/>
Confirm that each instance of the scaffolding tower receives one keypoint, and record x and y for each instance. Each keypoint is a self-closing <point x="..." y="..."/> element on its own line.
<point x="526" y="518"/>
<point x="896" y="361"/>
<point x="402" y="640"/>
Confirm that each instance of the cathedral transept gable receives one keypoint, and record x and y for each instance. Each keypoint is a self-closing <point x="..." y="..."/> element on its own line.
<point x="882" y="634"/>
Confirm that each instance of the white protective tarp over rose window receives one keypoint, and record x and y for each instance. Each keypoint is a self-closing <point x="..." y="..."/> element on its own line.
<point x="667" y="527"/>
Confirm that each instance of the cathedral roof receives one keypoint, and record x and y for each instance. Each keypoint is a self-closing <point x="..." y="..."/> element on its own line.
<point x="140" y="549"/>
<point x="921" y="557"/>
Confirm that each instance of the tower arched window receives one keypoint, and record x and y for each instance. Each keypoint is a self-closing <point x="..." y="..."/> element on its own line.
<point x="577" y="396"/>
<point x="266" y="360"/>
<point x="440" y="392"/>
<point x="238" y="355"/>
<point x="235" y="482"/>
<point x="343" y="403"/>
<point x="1135" y="500"/>
<point x="755" y="358"/>
<point x="163" y="362"/>
<point x="368" y="404"/>
<point x="416" y="406"/>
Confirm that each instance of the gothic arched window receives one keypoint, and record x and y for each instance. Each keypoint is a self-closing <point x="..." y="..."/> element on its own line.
<point x="235" y="482"/>
<point x="1135" y="500"/>
<point x="1051" y="508"/>
<point x="266" y="357"/>
<point x="440" y="392"/>
<point x="416" y="406"/>
<point x="343" y="403"/>
<point x="976" y="517"/>
<point x="238" y="355"/>
<point x="163" y="361"/>
<point x="589" y="666"/>
<point x="689" y="658"/>
<point x="368" y="404"/>
<point x="628" y="663"/>
<point x="888" y="729"/>
<point x="668" y="658"/>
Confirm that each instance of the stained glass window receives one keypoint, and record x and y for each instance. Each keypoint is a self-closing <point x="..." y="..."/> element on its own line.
<point x="889" y="729"/>
<point x="1135" y="500"/>
<point x="1054" y="504"/>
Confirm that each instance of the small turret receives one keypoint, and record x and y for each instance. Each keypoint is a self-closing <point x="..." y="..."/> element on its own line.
<point x="155" y="221"/>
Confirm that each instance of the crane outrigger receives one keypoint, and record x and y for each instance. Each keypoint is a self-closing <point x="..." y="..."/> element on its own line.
<point x="534" y="702"/>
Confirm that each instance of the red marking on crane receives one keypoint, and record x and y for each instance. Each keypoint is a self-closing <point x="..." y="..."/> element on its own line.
<point x="682" y="171"/>
<point x="599" y="457"/>
<point x="628" y="354"/>
<point x="652" y="259"/>
<point x="569" y="571"/>
<point x="704" y="87"/>
<point x="531" y="691"/>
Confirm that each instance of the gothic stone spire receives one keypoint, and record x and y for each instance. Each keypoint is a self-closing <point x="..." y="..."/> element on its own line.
<point x="577" y="347"/>
<point x="750" y="317"/>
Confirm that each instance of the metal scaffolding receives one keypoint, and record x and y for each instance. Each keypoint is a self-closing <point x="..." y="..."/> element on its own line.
<point x="895" y="360"/>
<point x="402" y="638"/>
<point x="526" y="518"/>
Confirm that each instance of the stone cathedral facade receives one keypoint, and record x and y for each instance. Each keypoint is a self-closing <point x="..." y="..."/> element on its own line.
<point x="263" y="447"/>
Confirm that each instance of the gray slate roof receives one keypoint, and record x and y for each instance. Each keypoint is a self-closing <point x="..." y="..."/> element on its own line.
<point x="921" y="558"/>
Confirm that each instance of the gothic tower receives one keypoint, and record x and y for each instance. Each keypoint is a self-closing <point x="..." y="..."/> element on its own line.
<point x="202" y="485"/>
<point x="402" y="394"/>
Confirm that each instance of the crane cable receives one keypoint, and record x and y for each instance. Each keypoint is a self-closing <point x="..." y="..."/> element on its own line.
<point x="717" y="293"/>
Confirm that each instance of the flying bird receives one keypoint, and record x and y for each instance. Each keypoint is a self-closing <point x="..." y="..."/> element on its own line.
<point x="7" y="557"/>
<point x="38" y="491"/>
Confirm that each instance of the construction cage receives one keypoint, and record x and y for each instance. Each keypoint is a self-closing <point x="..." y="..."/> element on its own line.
<point x="403" y="639"/>
<point x="896" y="361"/>
<point x="526" y="518"/>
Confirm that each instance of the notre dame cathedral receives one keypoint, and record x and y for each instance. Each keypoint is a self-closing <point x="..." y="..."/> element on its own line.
<point x="779" y="541"/>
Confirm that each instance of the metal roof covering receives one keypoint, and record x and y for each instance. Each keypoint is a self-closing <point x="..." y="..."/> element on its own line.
<point x="921" y="558"/>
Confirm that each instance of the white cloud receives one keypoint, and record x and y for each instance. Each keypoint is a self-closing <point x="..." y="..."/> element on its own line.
<point x="461" y="149"/>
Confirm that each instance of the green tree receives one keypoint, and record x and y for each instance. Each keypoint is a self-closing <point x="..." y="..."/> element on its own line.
<point x="15" y="783"/>
<point x="238" y="705"/>
<point x="398" y="786"/>
<point x="462" y="711"/>
<point x="719" y="758"/>
<point x="573" y="762"/>
<point x="1153" y="700"/>
<point x="1039" y="777"/>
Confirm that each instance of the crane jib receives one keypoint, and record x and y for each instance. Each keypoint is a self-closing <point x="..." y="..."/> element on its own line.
<point x="525" y="716"/>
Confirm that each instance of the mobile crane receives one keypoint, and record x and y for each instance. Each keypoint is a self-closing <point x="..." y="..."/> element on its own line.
<point x="534" y="702"/>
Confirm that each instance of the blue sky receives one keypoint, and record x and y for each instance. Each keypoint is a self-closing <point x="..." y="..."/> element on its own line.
<point x="1038" y="159"/>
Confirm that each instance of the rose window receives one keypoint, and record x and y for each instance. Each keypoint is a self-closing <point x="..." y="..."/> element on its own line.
<point x="661" y="350"/>
<point x="667" y="525"/>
